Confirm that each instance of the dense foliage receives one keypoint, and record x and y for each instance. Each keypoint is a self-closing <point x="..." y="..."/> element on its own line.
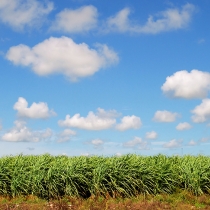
<point x="48" y="176"/>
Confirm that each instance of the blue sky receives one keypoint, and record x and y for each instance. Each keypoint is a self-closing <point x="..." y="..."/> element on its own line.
<point x="87" y="77"/>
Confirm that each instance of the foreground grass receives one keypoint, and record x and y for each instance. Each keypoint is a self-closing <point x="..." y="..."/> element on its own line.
<point x="179" y="201"/>
<point x="51" y="177"/>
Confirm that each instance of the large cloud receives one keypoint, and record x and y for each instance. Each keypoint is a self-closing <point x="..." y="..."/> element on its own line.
<point x="165" y="116"/>
<point x="201" y="113"/>
<point x="21" y="13"/>
<point x="129" y="122"/>
<point x="76" y="21"/>
<point x="170" y="19"/>
<point x="21" y="133"/>
<point x="99" y="121"/>
<point x="35" y="111"/>
<point x="62" y="56"/>
<point x="183" y="84"/>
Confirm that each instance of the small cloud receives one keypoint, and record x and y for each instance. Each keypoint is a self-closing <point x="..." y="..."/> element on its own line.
<point x="97" y="143"/>
<point x="201" y="113"/>
<point x="35" y="111"/>
<point x="173" y="144"/>
<point x="118" y="154"/>
<point x="100" y="121"/>
<point x="182" y="84"/>
<point x="168" y="20"/>
<point x="79" y="20"/>
<point x="192" y="143"/>
<point x="151" y="135"/>
<point x="86" y="154"/>
<point x="137" y="143"/>
<point x="66" y="135"/>
<point x="129" y="122"/>
<point x="204" y="140"/>
<point x="165" y="116"/>
<point x="183" y="126"/>
<point x="21" y="133"/>
<point x="18" y="13"/>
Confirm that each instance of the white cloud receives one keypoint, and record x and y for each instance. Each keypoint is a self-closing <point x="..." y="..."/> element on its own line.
<point x="165" y="116"/>
<point x="201" y="112"/>
<point x="21" y="133"/>
<point x="62" y="56"/>
<point x="170" y="19"/>
<point x="137" y="142"/>
<point x="118" y="154"/>
<point x="192" y="143"/>
<point x="204" y="140"/>
<point x="76" y="21"/>
<point x="35" y="111"/>
<point x="173" y="144"/>
<point x="21" y="13"/>
<point x="66" y="135"/>
<point x="151" y="135"/>
<point x="99" y="121"/>
<point x="183" y="126"/>
<point x="97" y="142"/>
<point x="189" y="85"/>
<point x="129" y="122"/>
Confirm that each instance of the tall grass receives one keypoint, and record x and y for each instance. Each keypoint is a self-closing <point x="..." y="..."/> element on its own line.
<point x="48" y="176"/>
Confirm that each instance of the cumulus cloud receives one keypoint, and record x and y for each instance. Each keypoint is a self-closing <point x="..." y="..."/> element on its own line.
<point x="201" y="113"/>
<point x="165" y="116"/>
<point x="93" y="121"/>
<point x="62" y="56"/>
<point x="97" y="143"/>
<point x="21" y="133"/>
<point x="21" y="13"/>
<point x="129" y="122"/>
<point x="76" y="21"/>
<point x="192" y="143"/>
<point x="35" y="111"/>
<point x="173" y="144"/>
<point x="137" y="142"/>
<point x="66" y="135"/>
<point x="183" y="126"/>
<point x="151" y="135"/>
<point x="170" y="19"/>
<point x="188" y="85"/>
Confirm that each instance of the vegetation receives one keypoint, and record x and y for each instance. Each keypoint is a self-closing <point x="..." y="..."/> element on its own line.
<point x="51" y="177"/>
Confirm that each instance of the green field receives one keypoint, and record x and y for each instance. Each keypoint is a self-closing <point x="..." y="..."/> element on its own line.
<point x="53" y="177"/>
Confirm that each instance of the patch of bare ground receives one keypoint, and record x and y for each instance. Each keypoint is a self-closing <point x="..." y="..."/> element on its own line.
<point x="181" y="201"/>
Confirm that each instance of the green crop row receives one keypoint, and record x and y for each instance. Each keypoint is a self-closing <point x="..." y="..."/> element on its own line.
<point x="49" y="176"/>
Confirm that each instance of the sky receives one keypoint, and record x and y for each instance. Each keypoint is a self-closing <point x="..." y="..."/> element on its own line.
<point x="88" y="77"/>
